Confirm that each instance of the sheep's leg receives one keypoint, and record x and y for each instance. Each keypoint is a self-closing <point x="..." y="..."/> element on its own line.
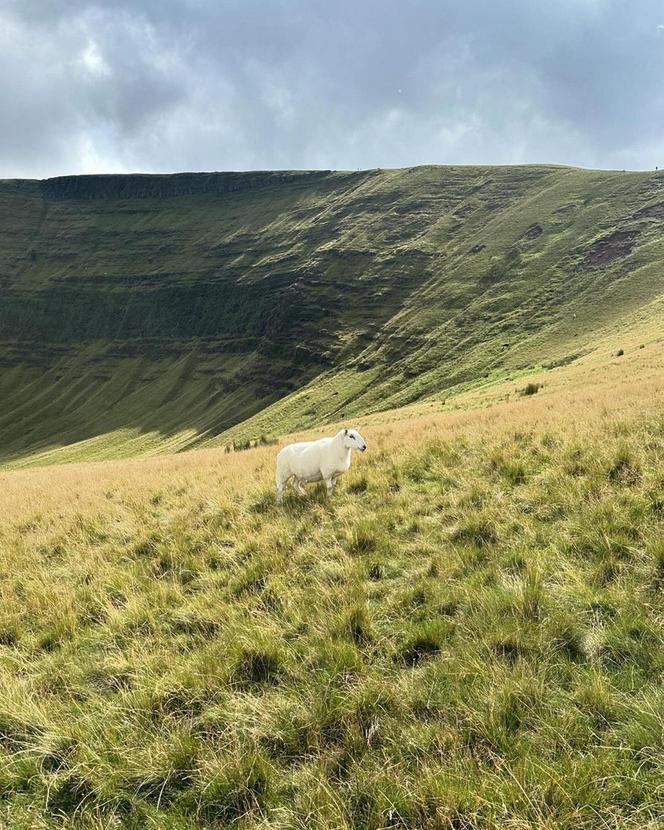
<point x="279" y="481"/>
<point x="282" y="483"/>
<point x="300" y="489"/>
<point x="329" y="483"/>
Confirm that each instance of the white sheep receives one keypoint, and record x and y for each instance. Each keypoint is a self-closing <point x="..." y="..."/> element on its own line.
<point x="322" y="460"/>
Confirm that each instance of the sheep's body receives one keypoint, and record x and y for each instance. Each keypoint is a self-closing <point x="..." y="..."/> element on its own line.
<point x="322" y="460"/>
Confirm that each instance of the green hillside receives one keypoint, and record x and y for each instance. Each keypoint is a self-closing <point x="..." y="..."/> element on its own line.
<point x="150" y="313"/>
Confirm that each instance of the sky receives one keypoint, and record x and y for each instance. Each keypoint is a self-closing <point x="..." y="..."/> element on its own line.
<point x="183" y="85"/>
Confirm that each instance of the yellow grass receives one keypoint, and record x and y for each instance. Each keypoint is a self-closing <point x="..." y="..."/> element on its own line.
<point x="577" y="398"/>
<point x="469" y="634"/>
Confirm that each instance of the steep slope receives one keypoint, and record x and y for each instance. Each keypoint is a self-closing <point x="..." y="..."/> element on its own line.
<point x="148" y="313"/>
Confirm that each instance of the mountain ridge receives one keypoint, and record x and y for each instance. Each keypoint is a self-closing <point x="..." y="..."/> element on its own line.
<point x="164" y="310"/>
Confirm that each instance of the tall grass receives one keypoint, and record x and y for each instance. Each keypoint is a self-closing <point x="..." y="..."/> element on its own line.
<point x="469" y="635"/>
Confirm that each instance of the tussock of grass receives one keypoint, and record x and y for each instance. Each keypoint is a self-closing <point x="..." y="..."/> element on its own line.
<point x="477" y="529"/>
<point x="364" y="538"/>
<point x="358" y="485"/>
<point x="257" y="666"/>
<point x="480" y="647"/>
<point x="531" y="389"/>
<point x="425" y="640"/>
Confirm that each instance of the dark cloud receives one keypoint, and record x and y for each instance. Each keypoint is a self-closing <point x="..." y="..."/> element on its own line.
<point x="239" y="84"/>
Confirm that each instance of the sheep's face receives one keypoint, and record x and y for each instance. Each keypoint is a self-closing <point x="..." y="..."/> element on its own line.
<point x="353" y="440"/>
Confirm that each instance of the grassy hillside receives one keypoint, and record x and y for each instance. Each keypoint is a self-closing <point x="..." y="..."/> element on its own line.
<point x="143" y="314"/>
<point x="469" y="635"/>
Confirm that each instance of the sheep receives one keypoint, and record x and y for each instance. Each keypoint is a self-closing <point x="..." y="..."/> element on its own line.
<point x="322" y="460"/>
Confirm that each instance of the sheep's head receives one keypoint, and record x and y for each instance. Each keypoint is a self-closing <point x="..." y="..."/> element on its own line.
<point x="353" y="440"/>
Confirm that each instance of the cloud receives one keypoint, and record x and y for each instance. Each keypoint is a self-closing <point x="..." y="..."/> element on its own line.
<point x="245" y="84"/>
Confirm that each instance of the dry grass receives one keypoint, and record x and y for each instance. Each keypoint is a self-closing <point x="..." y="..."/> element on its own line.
<point x="468" y="636"/>
<point x="598" y="390"/>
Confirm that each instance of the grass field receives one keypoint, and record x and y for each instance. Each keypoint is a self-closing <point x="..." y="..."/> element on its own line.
<point x="469" y="635"/>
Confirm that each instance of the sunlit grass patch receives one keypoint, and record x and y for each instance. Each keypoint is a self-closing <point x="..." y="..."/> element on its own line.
<point x="476" y="647"/>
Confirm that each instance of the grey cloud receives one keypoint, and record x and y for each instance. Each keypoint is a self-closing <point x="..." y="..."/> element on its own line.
<point x="239" y="84"/>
